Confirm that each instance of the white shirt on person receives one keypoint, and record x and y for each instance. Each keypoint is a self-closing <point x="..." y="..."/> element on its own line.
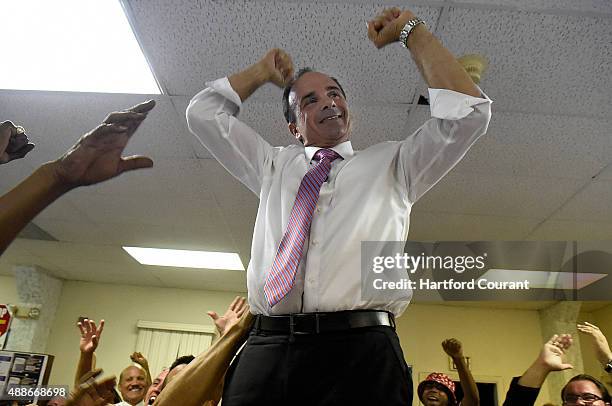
<point x="367" y="197"/>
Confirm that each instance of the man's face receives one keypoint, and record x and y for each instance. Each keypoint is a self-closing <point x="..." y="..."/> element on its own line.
<point x="584" y="390"/>
<point x="174" y="373"/>
<point x="434" y="395"/>
<point x="321" y="110"/>
<point x="132" y="385"/>
<point x="156" y="387"/>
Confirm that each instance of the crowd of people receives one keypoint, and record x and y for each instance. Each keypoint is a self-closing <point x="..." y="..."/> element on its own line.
<point x="307" y="336"/>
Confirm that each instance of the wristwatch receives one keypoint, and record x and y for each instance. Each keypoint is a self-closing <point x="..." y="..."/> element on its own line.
<point x="403" y="37"/>
<point x="608" y="367"/>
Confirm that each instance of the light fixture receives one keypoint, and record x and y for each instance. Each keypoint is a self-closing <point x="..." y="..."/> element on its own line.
<point x="186" y="258"/>
<point x="544" y="279"/>
<point x="71" y="45"/>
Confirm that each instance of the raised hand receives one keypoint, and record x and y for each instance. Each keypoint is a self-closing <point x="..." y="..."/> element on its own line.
<point x="277" y="67"/>
<point x="14" y="143"/>
<point x="551" y="356"/>
<point x="92" y="392"/>
<point x="96" y="157"/>
<point x="386" y="27"/>
<point x="600" y="343"/>
<point x="90" y="335"/>
<point x="453" y="348"/>
<point x="232" y="315"/>
<point x="139" y="359"/>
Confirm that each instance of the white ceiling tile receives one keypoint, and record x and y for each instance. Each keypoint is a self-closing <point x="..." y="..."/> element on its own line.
<point x="498" y="195"/>
<point x="591" y="204"/>
<point x="208" y="279"/>
<point x="61" y="118"/>
<point x="541" y="146"/>
<point x="78" y="230"/>
<point x="590" y="6"/>
<point x="436" y="226"/>
<point x="213" y="237"/>
<point x="538" y="62"/>
<point x="566" y="230"/>
<point x="163" y="210"/>
<point x="187" y="43"/>
<point x="178" y="178"/>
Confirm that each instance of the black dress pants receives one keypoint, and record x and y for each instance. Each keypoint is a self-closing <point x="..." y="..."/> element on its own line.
<point x="362" y="366"/>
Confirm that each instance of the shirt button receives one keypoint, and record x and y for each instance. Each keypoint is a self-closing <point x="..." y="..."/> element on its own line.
<point x="315" y="242"/>
<point x="318" y="209"/>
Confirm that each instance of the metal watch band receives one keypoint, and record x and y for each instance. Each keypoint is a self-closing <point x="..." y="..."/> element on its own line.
<point x="403" y="37"/>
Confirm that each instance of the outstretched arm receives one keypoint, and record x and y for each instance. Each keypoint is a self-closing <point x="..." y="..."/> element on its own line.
<point x="599" y="341"/>
<point x="437" y="65"/>
<point x="453" y="348"/>
<point x="96" y="157"/>
<point x="90" y="338"/>
<point x="549" y="360"/>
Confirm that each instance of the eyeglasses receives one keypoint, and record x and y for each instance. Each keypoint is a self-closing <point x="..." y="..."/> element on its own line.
<point x="585" y="399"/>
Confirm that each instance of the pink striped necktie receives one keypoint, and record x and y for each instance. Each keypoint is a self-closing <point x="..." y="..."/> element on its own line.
<point x="282" y="274"/>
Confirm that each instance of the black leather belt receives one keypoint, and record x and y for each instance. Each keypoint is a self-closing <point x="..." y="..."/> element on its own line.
<point x="315" y="323"/>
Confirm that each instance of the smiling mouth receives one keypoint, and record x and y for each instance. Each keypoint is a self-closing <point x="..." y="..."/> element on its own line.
<point x="334" y="117"/>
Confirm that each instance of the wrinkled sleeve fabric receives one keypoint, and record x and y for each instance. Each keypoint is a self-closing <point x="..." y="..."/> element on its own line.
<point x="520" y="395"/>
<point x="212" y="119"/>
<point x="428" y="154"/>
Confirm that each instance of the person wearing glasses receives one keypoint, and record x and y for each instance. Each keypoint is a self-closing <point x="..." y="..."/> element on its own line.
<point x="580" y="390"/>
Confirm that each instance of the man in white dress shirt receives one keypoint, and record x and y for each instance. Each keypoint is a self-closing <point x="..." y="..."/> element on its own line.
<point x="316" y="340"/>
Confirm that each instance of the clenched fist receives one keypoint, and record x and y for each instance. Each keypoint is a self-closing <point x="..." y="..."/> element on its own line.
<point x="277" y="67"/>
<point x="386" y="27"/>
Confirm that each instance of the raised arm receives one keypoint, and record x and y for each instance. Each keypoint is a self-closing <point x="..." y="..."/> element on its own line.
<point x="212" y="119"/>
<point x="90" y="338"/>
<point x="275" y="67"/>
<point x="437" y="65"/>
<point x="96" y="157"/>
<point x="524" y="390"/>
<point x="453" y="348"/>
<point x="140" y="359"/>
<point x="599" y="342"/>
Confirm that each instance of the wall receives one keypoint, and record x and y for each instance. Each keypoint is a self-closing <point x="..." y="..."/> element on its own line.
<point x="8" y="290"/>
<point x="121" y="306"/>
<point x="501" y="343"/>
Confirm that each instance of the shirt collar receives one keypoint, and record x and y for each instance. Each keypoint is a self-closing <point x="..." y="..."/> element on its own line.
<point x="345" y="149"/>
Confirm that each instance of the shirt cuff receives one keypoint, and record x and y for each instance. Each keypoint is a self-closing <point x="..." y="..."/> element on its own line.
<point x="223" y="87"/>
<point x="450" y="105"/>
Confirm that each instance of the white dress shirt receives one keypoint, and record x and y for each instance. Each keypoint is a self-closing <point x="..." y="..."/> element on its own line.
<point x="367" y="197"/>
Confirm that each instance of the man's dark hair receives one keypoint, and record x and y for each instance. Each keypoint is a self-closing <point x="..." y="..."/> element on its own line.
<point x="185" y="359"/>
<point x="584" y="377"/>
<point x="288" y="109"/>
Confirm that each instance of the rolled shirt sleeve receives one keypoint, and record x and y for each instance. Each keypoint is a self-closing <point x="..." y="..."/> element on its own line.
<point x="427" y="155"/>
<point x="211" y="117"/>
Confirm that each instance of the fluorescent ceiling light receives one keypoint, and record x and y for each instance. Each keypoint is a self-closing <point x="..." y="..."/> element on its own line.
<point x="71" y="45"/>
<point x="544" y="279"/>
<point x="186" y="258"/>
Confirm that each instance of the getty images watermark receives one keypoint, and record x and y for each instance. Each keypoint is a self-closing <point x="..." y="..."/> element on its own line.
<point x="435" y="263"/>
<point x="486" y="270"/>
